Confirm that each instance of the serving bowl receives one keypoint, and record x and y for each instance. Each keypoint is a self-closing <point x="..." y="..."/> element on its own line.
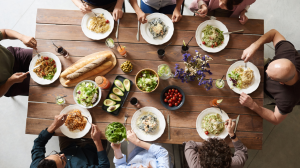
<point x="99" y="96"/>
<point x="119" y="142"/>
<point x="166" y="105"/>
<point x="139" y="74"/>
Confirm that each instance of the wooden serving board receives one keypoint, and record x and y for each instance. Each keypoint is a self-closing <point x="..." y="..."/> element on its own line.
<point x="112" y="59"/>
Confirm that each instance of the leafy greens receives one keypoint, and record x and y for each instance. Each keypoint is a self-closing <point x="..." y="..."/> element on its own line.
<point x="115" y="132"/>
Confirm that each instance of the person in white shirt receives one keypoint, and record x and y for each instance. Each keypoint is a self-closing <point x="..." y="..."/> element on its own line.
<point x="161" y="6"/>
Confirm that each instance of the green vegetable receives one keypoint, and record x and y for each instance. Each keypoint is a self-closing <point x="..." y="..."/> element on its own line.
<point x="147" y="81"/>
<point x="213" y="36"/>
<point x="126" y="84"/>
<point x="115" y="132"/>
<point x="113" y="108"/>
<point x="87" y="94"/>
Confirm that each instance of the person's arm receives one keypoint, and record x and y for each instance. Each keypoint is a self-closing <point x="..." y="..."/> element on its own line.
<point x="191" y="154"/>
<point x="38" y="151"/>
<point x="102" y="156"/>
<point x="176" y="13"/>
<point x="11" y="34"/>
<point x="140" y="14"/>
<point x="118" y="13"/>
<point x="120" y="158"/>
<point x="15" y="78"/>
<point x="271" y="36"/>
<point x="274" y="117"/>
<point x="82" y="7"/>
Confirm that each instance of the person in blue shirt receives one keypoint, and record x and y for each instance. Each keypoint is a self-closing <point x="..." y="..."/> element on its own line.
<point x="114" y="6"/>
<point x="144" y="155"/>
<point x="76" y="154"/>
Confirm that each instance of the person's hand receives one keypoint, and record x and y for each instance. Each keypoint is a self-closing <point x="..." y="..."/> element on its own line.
<point x="18" y="77"/>
<point x="84" y="8"/>
<point x="29" y="41"/>
<point x="249" y="52"/>
<point x="246" y="100"/>
<point x="59" y="120"/>
<point x="95" y="133"/>
<point x="115" y="146"/>
<point x="176" y="15"/>
<point x="230" y="125"/>
<point x="117" y="13"/>
<point x="203" y="11"/>
<point x="243" y="18"/>
<point x="132" y="137"/>
<point x="142" y="17"/>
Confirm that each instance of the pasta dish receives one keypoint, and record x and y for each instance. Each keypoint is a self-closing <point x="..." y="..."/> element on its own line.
<point x="240" y="77"/>
<point x="98" y="24"/>
<point x="75" y="120"/>
<point x="213" y="36"/>
<point x="147" y="122"/>
<point x="209" y="124"/>
<point x="157" y="28"/>
<point x="47" y="68"/>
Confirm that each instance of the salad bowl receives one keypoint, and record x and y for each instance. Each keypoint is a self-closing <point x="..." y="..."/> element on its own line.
<point x="85" y="91"/>
<point x="147" y="80"/>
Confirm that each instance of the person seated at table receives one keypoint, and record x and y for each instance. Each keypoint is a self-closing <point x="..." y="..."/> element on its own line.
<point x="161" y="6"/>
<point x="282" y="80"/>
<point x="144" y="155"/>
<point x="114" y="6"/>
<point x="215" y="152"/>
<point x="79" y="153"/>
<point x="222" y="8"/>
<point x="14" y="64"/>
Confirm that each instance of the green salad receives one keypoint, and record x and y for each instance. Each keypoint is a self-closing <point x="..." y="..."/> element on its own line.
<point x="213" y="36"/>
<point x="235" y="77"/>
<point x="209" y="123"/>
<point x="87" y="94"/>
<point x="147" y="81"/>
<point x="115" y="132"/>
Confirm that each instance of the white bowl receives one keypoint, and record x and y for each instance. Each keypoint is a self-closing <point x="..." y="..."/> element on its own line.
<point x="99" y="97"/>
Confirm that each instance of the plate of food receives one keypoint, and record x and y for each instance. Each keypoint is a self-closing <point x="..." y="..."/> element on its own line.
<point x="87" y="94"/>
<point x="115" y="132"/>
<point x="76" y="125"/>
<point x="244" y="80"/>
<point x="97" y="27"/>
<point x="148" y="123"/>
<point x="210" y="37"/>
<point x="45" y="69"/>
<point x="158" y="30"/>
<point x="207" y="126"/>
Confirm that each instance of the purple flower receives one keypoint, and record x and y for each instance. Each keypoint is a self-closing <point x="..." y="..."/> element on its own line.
<point x="203" y="58"/>
<point x="207" y="65"/>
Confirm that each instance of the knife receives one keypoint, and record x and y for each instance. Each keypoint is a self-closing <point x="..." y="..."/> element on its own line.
<point x="168" y="121"/>
<point x="117" y="32"/>
<point x="233" y="59"/>
<point x="237" y="122"/>
<point x="138" y="33"/>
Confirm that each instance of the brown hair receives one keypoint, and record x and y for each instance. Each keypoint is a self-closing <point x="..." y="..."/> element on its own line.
<point x="215" y="153"/>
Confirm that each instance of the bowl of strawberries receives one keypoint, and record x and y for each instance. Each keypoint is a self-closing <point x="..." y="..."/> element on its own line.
<point x="172" y="97"/>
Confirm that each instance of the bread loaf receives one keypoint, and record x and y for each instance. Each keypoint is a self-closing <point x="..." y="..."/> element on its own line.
<point x="93" y="72"/>
<point x="89" y="59"/>
<point x="86" y="68"/>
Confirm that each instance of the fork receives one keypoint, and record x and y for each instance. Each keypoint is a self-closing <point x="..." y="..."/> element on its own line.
<point x="125" y="118"/>
<point x="224" y="121"/>
<point x="210" y="17"/>
<point x="87" y="119"/>
<point x="245" y="66"/>
<point x="39" y="55"/>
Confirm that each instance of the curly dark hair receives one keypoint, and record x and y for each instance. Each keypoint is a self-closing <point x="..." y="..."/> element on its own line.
<point x="47" y="163"/>
<point x="215" y="153"/>
<point x="230" y="3"/>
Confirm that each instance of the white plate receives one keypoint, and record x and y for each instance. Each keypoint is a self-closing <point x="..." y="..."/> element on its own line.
<point x="150" y="136"/>
<point x="76" y="133"/>
<point x="255" y="82"/>
<point x="42" y="81"/>
<point x="216" y="24"/>
<point x="205" y="112"/>
<point x="159" y="40"/>
<point x="85" y="21"/>
<point x="99" y="97"/>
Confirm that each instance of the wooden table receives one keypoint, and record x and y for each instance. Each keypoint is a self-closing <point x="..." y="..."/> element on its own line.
<point x="63" y="28"/>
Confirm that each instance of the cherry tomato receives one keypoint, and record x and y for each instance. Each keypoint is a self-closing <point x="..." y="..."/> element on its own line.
<point x="180" y="95"/>
<point x="173" y="90"/>
<point x="174" y="98"/>
<point x="176" y="91"/>
<point x="176" y="104"/>
<point x="53" y="62"/>
<point x="54" y="66"/>
<point x="216" y="44"/>
<point x="166" y="94"/>
<point x="175" y="94"/>
<point x="173" y="103"/>
<point x="46" y="58"/>
<point x="203" y="42"/>
<point x="170" y="101"/>
<point x="43" y="73"/>
<point x="166" y="100"/>
<point x="167" y="97"/>
<point x="212" y="46"/>
<point x="206" y="132"/>
<point x="179" y="98"/>
<point x="46" y="63"/>
<point x="170" y="104"/>
<point x="107" y="21"/>
<point x="222" y="42"/>
<point x="170" y="90"/>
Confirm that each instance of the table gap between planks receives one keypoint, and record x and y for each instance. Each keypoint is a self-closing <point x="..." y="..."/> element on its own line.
<point x="63" y="28"/>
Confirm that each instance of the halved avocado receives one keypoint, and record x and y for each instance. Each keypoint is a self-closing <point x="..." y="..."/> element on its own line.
<point x="119" y="84"/>
<point x="113" y="108"/>
<point x="117" y="91"/>
<point x="126" y="84"/>
<point x="108" y="102"/>
<point x="114" y="97"/>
